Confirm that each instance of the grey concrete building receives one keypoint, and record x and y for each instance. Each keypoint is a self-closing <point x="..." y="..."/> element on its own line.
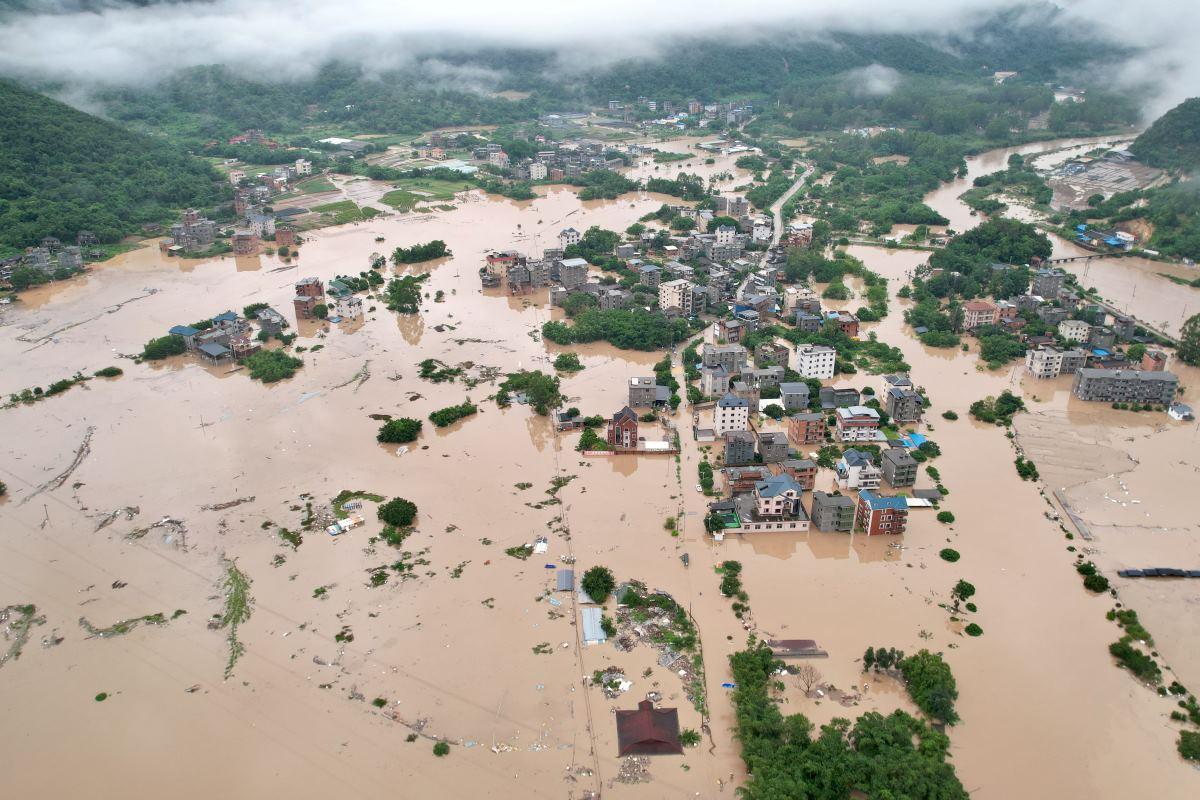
<point x="899" y="468"/>
<point x="1125" y="386"/>
<point x="773" y="447"/>
<point x="739" y="448"/>
<point x="832" y="512"/>
<point x="904" y="405"/>
<point x="794" y="396"/>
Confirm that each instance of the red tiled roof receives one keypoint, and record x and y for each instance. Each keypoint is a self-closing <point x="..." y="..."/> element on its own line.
<point x="648" y="731"/>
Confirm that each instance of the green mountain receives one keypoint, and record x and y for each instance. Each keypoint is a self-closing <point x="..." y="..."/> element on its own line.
<point x="62" y="171"/>
<point x="1173" y="141"/>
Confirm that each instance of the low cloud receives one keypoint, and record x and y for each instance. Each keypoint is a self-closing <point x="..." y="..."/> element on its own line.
<point x="873" y="80"/>
<point x="121" y="42"/>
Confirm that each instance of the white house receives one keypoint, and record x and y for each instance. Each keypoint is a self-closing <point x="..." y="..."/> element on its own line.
<point x="303" y="166"/>
<point x="732" y="413"/>
<point x="537" y="171"/>
<point x="568" y="237"/>
<point x="815" y="361"/>
<point x="676" y="294"/>
<point x="1074" y="330"/>
<point x="856" y="470"/>
<point x="348" y="307"/>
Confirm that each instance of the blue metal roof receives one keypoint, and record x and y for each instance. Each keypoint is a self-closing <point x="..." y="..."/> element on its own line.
<point x="593" y="633"/>
<point x="213" y="349"/>
<point x="183" y="330"/>
<point x="879" y="503"/>
<point x="227" y="316"/>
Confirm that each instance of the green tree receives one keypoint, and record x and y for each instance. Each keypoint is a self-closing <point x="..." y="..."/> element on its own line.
<point x="1189" y="341"/>
<point x="599" y="583"/>
<point x="397" y="512"/>
<point x="320" y="311"/>
<point x="399" y="430"/>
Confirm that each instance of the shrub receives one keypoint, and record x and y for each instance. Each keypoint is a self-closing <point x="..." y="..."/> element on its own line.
<point x="950" y="555"/>
<point x="931" y="685"/>
<point x="1095" y="583"/>
<point x="321" y="311"/>
<point x="689" y="737"/>
<point x="451" y="414"/>
<point x="945" y="517"/>
<point x="108" y="372"/>
<point x="441" y="749"/>
<point x="973" y="630"/>
<point x="379" y="702"/>
<point x="567" y="362"/>
<point x="163" y="347"/>
<point x="1134" y="660"/>
<point x="270" y="366"/>
<point x="599" y="583"/>
<point x="950" y="415"/>
<point x="398" y="512"/>
<point x="398" y="431"/>
<point x="1189" y="745"/>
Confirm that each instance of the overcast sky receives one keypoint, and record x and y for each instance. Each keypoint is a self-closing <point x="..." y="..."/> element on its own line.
<point x="116" y="41"/>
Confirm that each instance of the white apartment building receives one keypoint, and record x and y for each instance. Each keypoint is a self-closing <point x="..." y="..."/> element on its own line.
<point x="732" y="413"/>
<point x="537" y="171"/>
<point x="568" y="237"/>
<point x="676" y="294"/>
<point x="815" y="361"/>
<point x="303" y="166"/>
<point x="1074" y="330"/>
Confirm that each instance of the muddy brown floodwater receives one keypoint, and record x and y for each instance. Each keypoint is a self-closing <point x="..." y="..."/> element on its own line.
<point x="470" y="647"/>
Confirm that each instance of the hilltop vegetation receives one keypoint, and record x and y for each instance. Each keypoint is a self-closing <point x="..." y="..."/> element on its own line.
<point x="1173" y="141"/>
<point x="63" y="171"/>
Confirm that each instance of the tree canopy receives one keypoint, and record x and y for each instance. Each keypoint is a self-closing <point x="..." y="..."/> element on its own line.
<point x="63" y="171"/>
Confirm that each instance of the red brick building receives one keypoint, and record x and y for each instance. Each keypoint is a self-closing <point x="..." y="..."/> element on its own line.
<point x="806" y="429"/>
<point x="802" y="471"/>
<point x="285" y="237"/>
<point x="623" y="430"/>
<point x="310" y="292"/>
<point x="877" y="515"/>
<point x="1154" y="361"/>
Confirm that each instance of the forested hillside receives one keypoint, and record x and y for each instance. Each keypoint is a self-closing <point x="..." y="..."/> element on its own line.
<point x="1173" y="141"/>
<point x="941" y="85"/>
<point x="62" y="171"/>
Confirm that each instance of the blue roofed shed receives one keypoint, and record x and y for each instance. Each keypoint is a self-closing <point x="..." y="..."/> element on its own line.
<point x="593" y="631"/>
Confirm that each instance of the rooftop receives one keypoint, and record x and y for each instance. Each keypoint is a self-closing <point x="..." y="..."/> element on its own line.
<point x="877" y="502"/>
<point x="648" y="731"/>
<point x="777" y="485"/>
<point x="733" y="401"/>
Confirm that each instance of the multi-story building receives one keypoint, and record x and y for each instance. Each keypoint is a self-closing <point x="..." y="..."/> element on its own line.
<point x="839" y="396"/>
<point x="1048" y="361"/>
<point x="904" y="405"/>
<point x="537" y="171"/>
<point x="802" y="470"/>
<point x="1125" y="386"/>
<point x="714" y="381"/>
<point x="733" y="357"/>
<point x="348" y="308"/>
<point x="815" y="361"/>
<point x="263" y="225"/>
<point x="650" y="275"/>
<point x="1047" y="283"/>
<point x="1154" y="361"/>
<point x="771" y="354"/>
<point x="739" y="448"/>
<point x="730" y="330"/>
<point x="1074" y="330"/>
<point x="739" y="480"/>
<point x="772" y="447"/>
<point x="572" y="272"/>
<point x="856" y="470"/>
<point x="731" y="414"/>
<point x="806" y="428"/>
<point x="977" y="313"/>
<point x="1102" y="338"/>
<point x="832" y="512"/>
<point x="623" y="430"/>
<point x="899" y="468"/>
<point x="794" y="396"/>
<point x="303" y="166"/>
<point x="193" y="232"/>
<point x="847" y="323"/>
<point x="310" y="293"/>
<point x="245" y="243"/>
<point x="568" y="237"/>
<point x="676" y="294"/>
<point x="766" y="378"/>
<point x="878" y="515"/>
<point x="857" y="424"/>
<point x="643" y="392"/>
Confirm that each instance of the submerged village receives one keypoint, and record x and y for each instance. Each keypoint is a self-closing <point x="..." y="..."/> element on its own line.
<point x="450" y="467"/>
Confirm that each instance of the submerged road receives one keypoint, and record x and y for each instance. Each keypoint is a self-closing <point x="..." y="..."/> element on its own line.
<point x="777" y="208"/>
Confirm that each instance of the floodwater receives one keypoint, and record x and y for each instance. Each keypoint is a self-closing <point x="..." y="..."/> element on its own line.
<point x="457" y="650"/>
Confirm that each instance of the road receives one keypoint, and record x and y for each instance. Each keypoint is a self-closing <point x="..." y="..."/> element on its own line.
<point x="777" y="208"/>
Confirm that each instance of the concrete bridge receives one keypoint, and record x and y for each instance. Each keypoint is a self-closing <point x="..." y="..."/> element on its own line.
<point x="1082" y="258"/>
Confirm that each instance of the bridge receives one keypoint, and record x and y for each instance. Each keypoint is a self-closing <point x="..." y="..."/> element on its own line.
<point x="1082" y="258"/>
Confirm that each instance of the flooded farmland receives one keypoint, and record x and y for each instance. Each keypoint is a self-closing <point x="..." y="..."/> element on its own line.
<point x="465" y="643"/>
